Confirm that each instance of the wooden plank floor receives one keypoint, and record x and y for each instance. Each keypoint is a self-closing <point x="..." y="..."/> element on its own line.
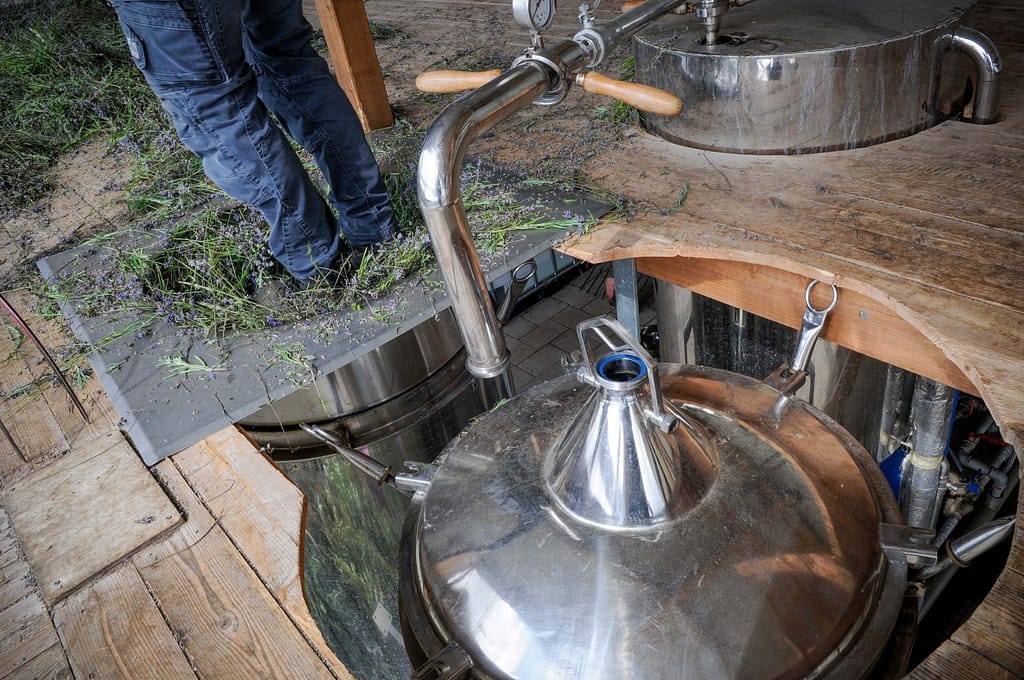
<point x="220" y="594"/>
<point x="211" y="587"/>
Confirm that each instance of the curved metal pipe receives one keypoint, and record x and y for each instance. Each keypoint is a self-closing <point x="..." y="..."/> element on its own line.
<point x="440" y="165"/>
<point x="440" y="196"/>
<point x="983" y="52"/>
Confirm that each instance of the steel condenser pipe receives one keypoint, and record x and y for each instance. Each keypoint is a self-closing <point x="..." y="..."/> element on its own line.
<point x="440" y="165"/>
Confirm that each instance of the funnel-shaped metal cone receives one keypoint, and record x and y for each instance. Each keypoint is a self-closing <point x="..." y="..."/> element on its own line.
<point x="616" y="468"/>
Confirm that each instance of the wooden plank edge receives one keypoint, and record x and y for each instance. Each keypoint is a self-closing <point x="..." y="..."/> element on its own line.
<point x="290" y="597"/>
<point x="615" y="242"/>
<point x="858" y="322"/>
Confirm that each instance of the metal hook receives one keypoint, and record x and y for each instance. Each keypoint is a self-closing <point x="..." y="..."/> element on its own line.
<point x="813" y="322"/>
<point x="788" y="379"/>
<point x="810" y="305"/>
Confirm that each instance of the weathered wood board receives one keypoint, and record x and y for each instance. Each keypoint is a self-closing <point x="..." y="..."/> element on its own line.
<point x="85" y="512"/>
<point x="29" y="647"/>
<point x="26" y="633"/>
<point x="347" y="32"/>
<point x="112" y="628"/>
<point x="261" y="511"/>
<point x="38" y="425"/>
<point x="225" y="618"/>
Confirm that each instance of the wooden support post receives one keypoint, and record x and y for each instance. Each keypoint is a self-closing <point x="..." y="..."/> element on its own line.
<point x="350" y="44"/>
<point x="858" y="321"/>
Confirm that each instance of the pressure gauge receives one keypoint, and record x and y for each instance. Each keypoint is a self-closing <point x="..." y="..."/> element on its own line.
<point x="535" y="15"/>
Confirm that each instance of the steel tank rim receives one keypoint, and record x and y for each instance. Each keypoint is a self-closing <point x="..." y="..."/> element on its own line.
<point x="720" y="89"/>
<point x="421" y="352"/>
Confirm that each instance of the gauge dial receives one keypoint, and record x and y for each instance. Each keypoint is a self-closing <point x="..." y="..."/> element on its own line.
<point x="535" y="15"/>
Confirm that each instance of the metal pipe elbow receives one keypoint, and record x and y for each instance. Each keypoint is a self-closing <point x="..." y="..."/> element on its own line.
<point x="988" y="65"/>
<point x="440" y="197"/>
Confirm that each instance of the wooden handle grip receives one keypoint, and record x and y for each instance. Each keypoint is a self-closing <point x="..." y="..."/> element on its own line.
<point x="643" y="97"/>
<point x="630" y="4"/>
<point x="454" y="81"/>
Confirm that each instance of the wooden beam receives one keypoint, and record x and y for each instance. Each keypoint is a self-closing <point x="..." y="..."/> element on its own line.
<point x="347" y="31"/>
<point x="858" y="322"/>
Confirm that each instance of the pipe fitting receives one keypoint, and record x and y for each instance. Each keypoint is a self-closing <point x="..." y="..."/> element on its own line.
<point x="988" y="65"/>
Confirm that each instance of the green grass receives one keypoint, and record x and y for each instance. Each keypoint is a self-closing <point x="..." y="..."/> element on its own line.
<point x="65" y="77"/>
<point x="212" y="271"/>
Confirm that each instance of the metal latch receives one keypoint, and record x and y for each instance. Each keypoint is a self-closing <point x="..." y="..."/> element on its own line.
<point x="788" y="378"/>
<point x="909" y="544"/>
<point x="451" y="663"/>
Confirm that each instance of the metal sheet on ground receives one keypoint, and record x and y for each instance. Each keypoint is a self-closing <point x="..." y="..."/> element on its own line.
<point x="163" y="415"/>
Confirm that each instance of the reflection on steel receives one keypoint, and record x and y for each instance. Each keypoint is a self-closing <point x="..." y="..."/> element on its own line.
<point x="377" y="471"/>
<point x="49" y="359"/>
<point x="539" y="73"/>
<point x="969" y="547"/>
<point x="375" y="378"/>
<point x="439" y="178"/>
<point x="621" y="464"/>
<point x="777" y="571"/>
<point x="520" y="277"/>
<point x="804" y="76"/>
<point x="416" y="480"/>
<point x="961" y="551"/>
<point x="352" y="523"/>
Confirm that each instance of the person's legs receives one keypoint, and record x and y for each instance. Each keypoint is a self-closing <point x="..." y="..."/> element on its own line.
<point x="297" y="86"/>
<point x="191" y="54"/>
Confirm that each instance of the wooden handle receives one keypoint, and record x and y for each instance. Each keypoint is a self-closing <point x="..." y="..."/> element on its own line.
<point x="630" y="4"/>
<point x="454" y="81"/>
<point x="643" y="97"/>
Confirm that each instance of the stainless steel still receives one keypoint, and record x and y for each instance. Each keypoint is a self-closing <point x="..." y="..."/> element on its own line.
<point x="557" y="540"/>
<point x="403" y="401"/>
<point x="805" y="76"/>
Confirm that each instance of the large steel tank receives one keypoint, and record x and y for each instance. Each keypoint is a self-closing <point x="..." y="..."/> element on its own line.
<point x="403" y="401"/>
<point x="653" y="522"/>
<point x="804" y="76"/>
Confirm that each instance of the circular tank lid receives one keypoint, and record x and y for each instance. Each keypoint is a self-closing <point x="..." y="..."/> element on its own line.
<point x="766" y="28"/>
<point x="776" y="571"/>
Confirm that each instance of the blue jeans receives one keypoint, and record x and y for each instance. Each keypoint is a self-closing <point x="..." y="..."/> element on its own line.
<point x="218" y="67"/>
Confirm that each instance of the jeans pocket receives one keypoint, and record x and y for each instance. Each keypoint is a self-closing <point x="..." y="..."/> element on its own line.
<point x="135" y="47"/>
<point x="167" y="46"/>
